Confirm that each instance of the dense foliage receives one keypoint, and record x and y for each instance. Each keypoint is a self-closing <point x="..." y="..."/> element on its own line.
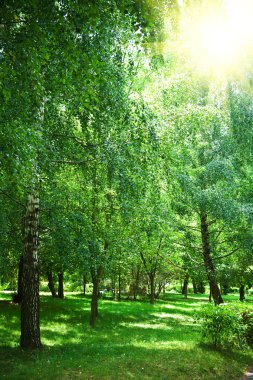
<point x="226" y="326"/>
<point x="121" y="165"/>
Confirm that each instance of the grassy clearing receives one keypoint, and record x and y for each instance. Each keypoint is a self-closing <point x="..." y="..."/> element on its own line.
<point x="132" y="340"/>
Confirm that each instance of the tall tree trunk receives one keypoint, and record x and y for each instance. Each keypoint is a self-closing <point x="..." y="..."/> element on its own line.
<point x="206" y="251"/>
<point x="242" y="292"/>
<point x="84" y="284"/>
<point x="152" y="288"/>
<point x="51" y="283"/>
<point x="94" y="300"/>
<point x="60" y="285"/>
<point x="30" y="325"/>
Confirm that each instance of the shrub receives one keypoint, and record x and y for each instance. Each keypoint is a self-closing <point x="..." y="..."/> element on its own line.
<point x="247" y="320"/>
<point x="44" y="286"/>
<point x="225" y="325"/>
<point x="74" y="286"/>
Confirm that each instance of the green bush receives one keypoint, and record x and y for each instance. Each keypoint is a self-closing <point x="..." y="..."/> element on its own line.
<point x="174" y="288"/>
<point x="226" y="325"/>
<point x="233" y="290"/>
<point x="44" y="287"/>
<point x="247" y="320"/>
<point x="74" y="286"/>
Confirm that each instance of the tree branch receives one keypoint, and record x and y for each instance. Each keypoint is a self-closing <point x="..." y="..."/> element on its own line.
<point x="228" y="254"/>
<point x="76" y="139"/>
<point x="69" y="162"/>
<point x="11" y="198"/>
<point x="189" y="246"/>
<point x="157" y="253"/>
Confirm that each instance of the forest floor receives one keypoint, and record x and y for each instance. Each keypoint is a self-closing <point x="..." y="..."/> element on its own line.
<point x="131" y="340"/>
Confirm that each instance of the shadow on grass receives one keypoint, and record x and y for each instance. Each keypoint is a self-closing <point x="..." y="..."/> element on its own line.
<point x="111" y="360"/>
<point x="132" y="340"/>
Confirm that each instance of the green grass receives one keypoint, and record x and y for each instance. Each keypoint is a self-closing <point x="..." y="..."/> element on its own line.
<point x="132" y="340"/>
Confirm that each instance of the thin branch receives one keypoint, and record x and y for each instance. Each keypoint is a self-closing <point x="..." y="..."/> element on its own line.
<point x="143" y="260"/>
<point x="193" y="260"/>
<point x="218" y="232"/>
<point x="69" y="162"/>
<point x="212" y="222"/>
<point x="12" y="22"/>
<point x="222" y="242"/>
<point x="183" y="267"/>
<point x="189" y="246"/>
<point x="228" y="254"/>
<point x="77" y="140"/>
<point x="11" y="198"/>
<point x="194" y="228"/>
<point x="157" y="252"/>
<point x="175" y="265"/>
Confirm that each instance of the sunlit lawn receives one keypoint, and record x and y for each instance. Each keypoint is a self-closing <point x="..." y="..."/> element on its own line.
<point x="132" y="340"/>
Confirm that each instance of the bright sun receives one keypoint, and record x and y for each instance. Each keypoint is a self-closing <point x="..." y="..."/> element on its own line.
<point x="218" y="43"/>
<point x="220" y="37"/>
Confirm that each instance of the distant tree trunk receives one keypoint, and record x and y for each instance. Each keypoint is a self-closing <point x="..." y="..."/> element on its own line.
<point x="206" y="251"/>
<point x="242" y="292"/>
<point x="185" y="285"/>
<point x="84" y="284"/>
<point x="60" y="285"/>
<point x="30" y="324"/>
<point x="224" y="288"/>
<point x="119" y="292"/>
<point x="94" y="300"/>
<point x="18" y="297"/>
<point x="113" y="286"/>
<point x="136" y="282"/>
<point x="152" y="288"/>
<point x="159" y="289"/>
<point x="51" y="283"/>
<point x="200" y="287"/>
<point x="194" y="285"/>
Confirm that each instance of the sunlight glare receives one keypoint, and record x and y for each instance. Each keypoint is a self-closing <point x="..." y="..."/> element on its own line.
<point x="220" y="37"/>
<point x="219" y="44"/>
